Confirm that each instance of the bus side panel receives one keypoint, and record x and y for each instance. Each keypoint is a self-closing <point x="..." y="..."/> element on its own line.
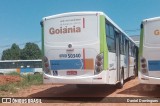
<point x="6" y="71"/>
<point x="131" y="65"/>
<point x="104" y="47"/>
<point x="103" y="44"/>
<point x="112" y="68"/>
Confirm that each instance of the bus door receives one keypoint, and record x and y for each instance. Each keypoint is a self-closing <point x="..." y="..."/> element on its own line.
<point x="117" y="38"/>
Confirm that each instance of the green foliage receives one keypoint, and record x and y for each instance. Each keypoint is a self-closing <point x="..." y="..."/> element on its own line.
<point x="31" y="51"/>
<point x="14" y="74"/>
<point x="11" y="54"/>
<point x="33" y="79"/>
<point x="8" y="88"/>
<point x="6" y="54"/>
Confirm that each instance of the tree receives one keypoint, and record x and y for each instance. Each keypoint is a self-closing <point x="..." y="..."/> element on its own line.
<point x="11" y="54"/>
<point x="30" y="51"/>
<point x="6" y="55"/>
<point x="15" y="52"/>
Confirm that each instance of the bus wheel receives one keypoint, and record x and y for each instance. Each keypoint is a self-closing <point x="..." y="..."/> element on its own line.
<point x="1" y="74"/>
<point x="121" y="83"/>
<point x="36" y="73"/>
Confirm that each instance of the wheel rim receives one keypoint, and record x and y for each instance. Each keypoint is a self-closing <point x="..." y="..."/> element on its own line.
<point x="122" y="81"/>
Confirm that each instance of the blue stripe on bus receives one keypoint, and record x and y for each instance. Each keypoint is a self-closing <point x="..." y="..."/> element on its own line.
<point x="66" y="64"/>
<point x="26" y="70"/>
<point x="154" y="65"/>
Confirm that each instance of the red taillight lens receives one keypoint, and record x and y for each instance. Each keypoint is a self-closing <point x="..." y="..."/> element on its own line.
<point x="45" y="59"/>
<point x="98" y="69"/>
<point x="144" y="70"/>
<point x="99" y="63"/>
<point x="144" y="65"/>
<point x="143" y="60"/>
<point x="99" y="57"/>
<point x="46" y="64"/>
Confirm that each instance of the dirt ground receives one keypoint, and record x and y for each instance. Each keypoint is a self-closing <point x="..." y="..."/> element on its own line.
<point x="53" y="92"/>
<point x="131" y="88"/>
<point x="4" y="79"/>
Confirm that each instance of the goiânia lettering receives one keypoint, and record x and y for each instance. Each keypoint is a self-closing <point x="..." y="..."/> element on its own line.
<point x="156" y="32"/>
<point x="65" y="30"/>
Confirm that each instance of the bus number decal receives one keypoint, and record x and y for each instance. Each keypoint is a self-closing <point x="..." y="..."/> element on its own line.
<point x="74" y="55"/>
<point x="63" y="55"/>
<point x="70" y="55"/>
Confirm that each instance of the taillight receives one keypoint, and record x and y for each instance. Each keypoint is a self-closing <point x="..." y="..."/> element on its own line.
<point x="45" y="59"/>
<point x="99" y="63"/>
<point x="144" y="70"/>
<point x="143" y="60"/>
<point x="46" y="65"/>
<point x="143" y="65"/>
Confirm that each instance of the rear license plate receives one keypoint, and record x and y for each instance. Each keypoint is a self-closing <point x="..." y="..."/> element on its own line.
<point x="71" y="72"/>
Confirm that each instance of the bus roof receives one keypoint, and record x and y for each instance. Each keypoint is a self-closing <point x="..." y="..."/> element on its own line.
<point x="70" y="13"/>
<point x="114" y="24"/>
<point x="151" y="19"/>
<point x="87" y="13"/>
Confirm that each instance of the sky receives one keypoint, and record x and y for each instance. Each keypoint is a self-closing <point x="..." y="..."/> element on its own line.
<point x="20" y="19"/>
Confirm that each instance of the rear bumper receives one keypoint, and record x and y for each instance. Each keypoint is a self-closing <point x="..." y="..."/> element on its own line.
<point x="147" y="79"/>
<point x="95" y="79"/>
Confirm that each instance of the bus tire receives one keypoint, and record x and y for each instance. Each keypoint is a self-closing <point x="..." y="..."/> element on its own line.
<point x="1" y="74"/>
<point x="121" y="82"/>
<point x="36" y="73"/>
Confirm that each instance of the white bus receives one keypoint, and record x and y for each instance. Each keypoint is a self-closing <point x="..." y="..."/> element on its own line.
<point x="21" y="66"/>
<point x="149" y="52"/>
<point x="86" y="48"/>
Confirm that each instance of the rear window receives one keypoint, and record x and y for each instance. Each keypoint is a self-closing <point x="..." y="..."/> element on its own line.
<point x="71" y="29"/>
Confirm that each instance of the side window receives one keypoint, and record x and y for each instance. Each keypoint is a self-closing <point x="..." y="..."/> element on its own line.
<point x="111" y="31"/>
<point x="122" y="44"/>
<point x="107" y="29"/>
<point x="126" y="49"/>
<point x="30" y="64"/>
<point x="37" y="64"/>
<point x="3" y="65"/>
<point x="111" y="45"/>
<point x="130" y="49"/>
<point x="133" y="50"/>
<point x="110" y="38"/>
<point x="12" y="65"/>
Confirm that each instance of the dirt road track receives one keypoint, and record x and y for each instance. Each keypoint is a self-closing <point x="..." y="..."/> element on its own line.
<point x="131" y="89"/>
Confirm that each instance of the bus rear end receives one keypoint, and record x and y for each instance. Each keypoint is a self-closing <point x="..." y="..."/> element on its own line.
<point x="71" y="49"/>
<point x="149" y="60"/>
